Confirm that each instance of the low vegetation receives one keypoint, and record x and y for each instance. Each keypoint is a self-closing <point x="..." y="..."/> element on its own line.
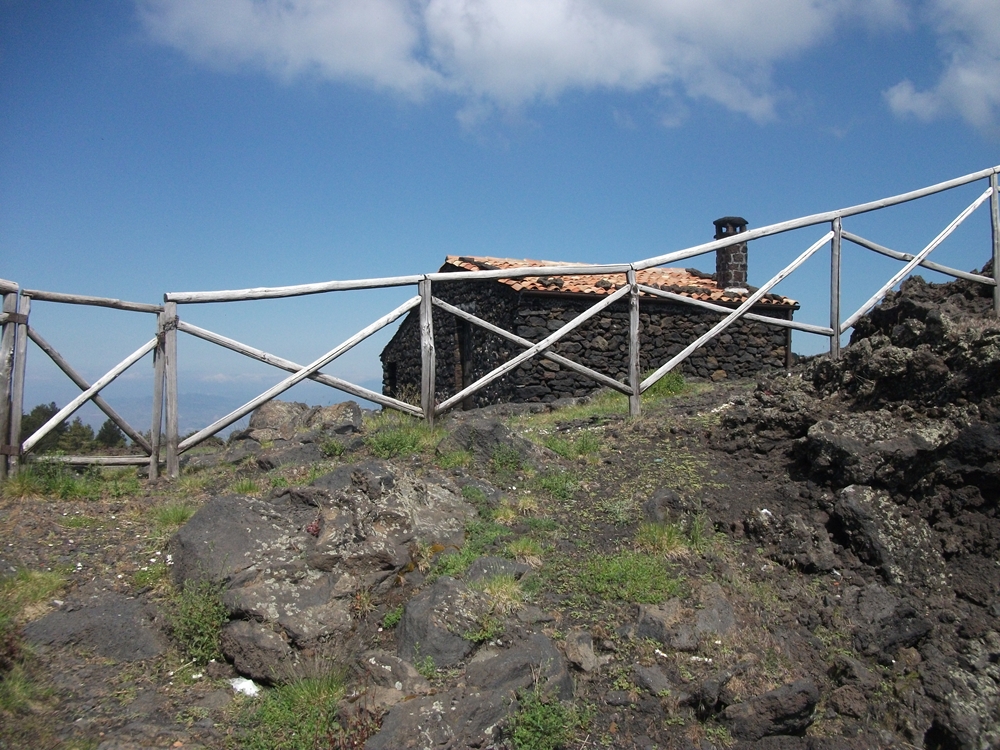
<point x="393" y="435"/>
<point x="196" y="615"/>
<point x="543" y="722"/>
<point x="301" y="715"/>
<point x="629" y="576"/>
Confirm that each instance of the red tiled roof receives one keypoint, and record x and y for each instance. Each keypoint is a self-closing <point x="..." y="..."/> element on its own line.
<point x="687" y="282"/>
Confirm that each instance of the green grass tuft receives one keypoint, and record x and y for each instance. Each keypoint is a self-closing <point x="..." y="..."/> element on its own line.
<point x="665" y="539"/>
<point x="629" y="576"/>
<point x="245" y="486"/>
<point x="173" y="515"/>
<point x="454" y="459"/>
<point x="196" y="615"/>
<point x="393" y="434"/>
<point x="299" y="716"/>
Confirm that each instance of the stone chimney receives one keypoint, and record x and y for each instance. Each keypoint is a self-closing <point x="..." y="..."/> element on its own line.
<point x="731" y="261"/>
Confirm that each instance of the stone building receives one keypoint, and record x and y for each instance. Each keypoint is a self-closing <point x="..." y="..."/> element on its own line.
<point x="535" y="306"/>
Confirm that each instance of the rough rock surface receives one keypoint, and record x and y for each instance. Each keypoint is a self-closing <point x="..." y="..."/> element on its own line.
<point x="109" y="624"/>
<point x="293" y="561"/>
<point x="897" y="448"/>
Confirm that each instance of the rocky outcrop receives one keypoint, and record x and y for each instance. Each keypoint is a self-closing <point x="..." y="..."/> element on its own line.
<point x="293" y="561"/>
<point x="786" y="710"/>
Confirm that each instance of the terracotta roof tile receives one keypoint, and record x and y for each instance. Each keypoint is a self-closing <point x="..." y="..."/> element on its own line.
<point x="686" y="282"/>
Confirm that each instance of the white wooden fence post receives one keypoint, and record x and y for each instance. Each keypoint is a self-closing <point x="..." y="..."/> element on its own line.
<point x="159" y="358"/>
<point x="995" y="224"/>
<point x="634" y="399"/>
<point x="6" y="371"/>
<point x="428" y="362"/>
<point x="170" y="376"/>
<point x="835" y="289"/>
<point x="17" y="381"/>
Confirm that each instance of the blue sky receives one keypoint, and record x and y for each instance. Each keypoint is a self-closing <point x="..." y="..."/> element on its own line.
<point x="178" y="145"/>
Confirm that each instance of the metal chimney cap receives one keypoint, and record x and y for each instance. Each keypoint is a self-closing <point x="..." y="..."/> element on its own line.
<point x="730" y="221"/>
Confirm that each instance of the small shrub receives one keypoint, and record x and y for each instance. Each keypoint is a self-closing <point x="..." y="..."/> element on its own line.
<point x="473" y="494"/>
<point x="701" y="532"/>
<point x="122" y="483"/>
<point x="526" y="504"/>
<point x="477" y="497"/>
<point x="333" y="448"/>
<point x="25" y="485"/>
<point x="480" y="536"/>
<point x="543" y="723"/>
<point x="559" y="445"/>
<point x="362" y="604"/>
<point x="279" y="483"/>
<point x="150" y="576"/>
<point x="629" y="576"/>
<point x="425" y="666"/>
<point x="621" y="509"/>
<point x="506" y="515"/>
<point x="587" y="444"/>
<point x="584" y="445"/>
<point x="488" y="628"/>
<point x="196" y="615"/>
<point x="19" y="593"/>
<point x="394" y="434"/>
<point x="393" y="617"/>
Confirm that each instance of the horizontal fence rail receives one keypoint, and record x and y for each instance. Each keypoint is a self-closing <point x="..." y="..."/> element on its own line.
<point x="164" y="438"/>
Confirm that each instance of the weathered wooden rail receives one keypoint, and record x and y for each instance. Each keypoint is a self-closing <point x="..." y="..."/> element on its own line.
<point x="16" y="308"/>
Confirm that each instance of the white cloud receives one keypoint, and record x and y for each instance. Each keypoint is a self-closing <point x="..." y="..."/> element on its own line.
<point x="969" y="38"/>
<point x="373" y="41"/>
<point x="504" y="53"/>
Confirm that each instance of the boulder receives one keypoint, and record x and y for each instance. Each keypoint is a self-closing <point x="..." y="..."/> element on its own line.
<point x="459" y="718"/>
<point x="872" y="447"/>
<point x="579" y="648"/>
<point x="792" y="542"/>
<point x="669" y="624"/>
<point x="715" y="615"/>
<point x="532" y="661"/>
<point x="256" y="651"/>
<point x="285" y="420"/>
<point x="227" y="535"/>
<point x="386" y="670"/>
<point x="786" y="710"/>
<point x="301" y="454"/>
<point x="435" y="621"/>
<point x="292" y="562"/>
<point x="488" y="567"/>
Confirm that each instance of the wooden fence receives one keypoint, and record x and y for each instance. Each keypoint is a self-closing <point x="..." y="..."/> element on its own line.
<point x="17" y="331"/>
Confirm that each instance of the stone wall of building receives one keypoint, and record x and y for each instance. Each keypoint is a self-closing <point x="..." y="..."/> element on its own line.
<point x="601" y="343"/>
<point x="401" y="358"/>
